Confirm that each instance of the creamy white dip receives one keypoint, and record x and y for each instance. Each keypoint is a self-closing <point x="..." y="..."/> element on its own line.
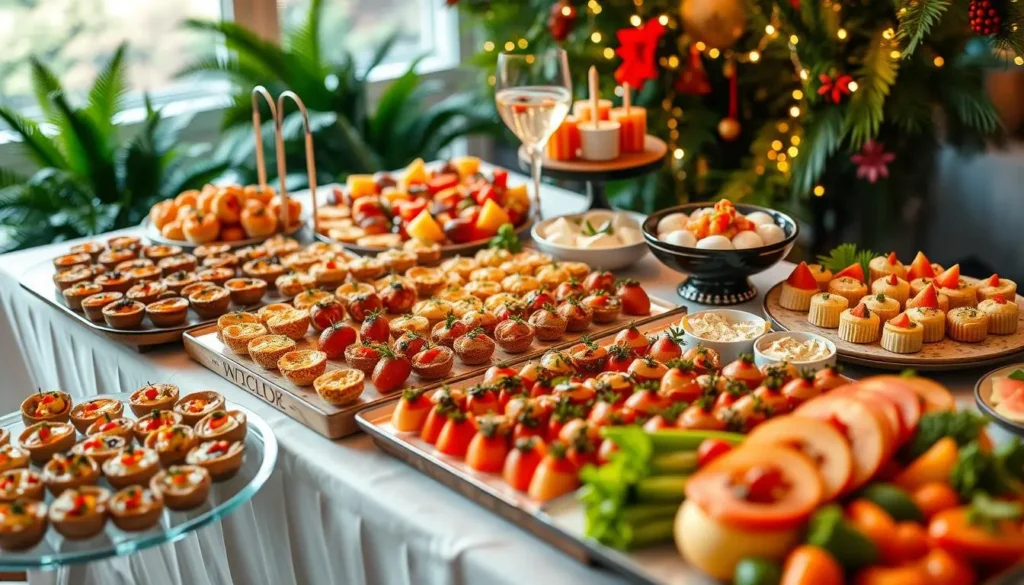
<point x="791" y="350"/>
<point x="716" y="327"/>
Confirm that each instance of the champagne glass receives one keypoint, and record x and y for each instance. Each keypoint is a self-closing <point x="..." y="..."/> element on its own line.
<point x="533" y="93"/>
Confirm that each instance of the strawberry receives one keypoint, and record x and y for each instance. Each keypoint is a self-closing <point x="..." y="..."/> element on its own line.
<point x="860" y="311"/>
<point x="999" y="299"/>
<point x="920" y="268"/>
<point x="950" y="278"/>
<point x="901" y="320"/>
<point x="892" y="259"/>
<point x="993" y="280"/>
<point x="854" y="271"/>
<point x="801" y="278"/>
<point x="927" y="298"/>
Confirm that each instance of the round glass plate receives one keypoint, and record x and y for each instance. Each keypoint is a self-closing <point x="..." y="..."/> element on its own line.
<point x="55" y="550"/>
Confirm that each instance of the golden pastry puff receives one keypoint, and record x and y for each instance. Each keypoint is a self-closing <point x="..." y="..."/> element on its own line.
<point x="42" y="440"/>
<point x="931" y="320"/>
<point x="221" y="458"/>
<point x="237" y="337"/>
<point x="131" y="466"/>
<point x="135" y="508"/>
<point x="290" y="285"/>
<point x="492" y="256"/>
<point x="434" y="310"/>
<point x="859" y="325"/>
<point x="182" y="487"/>
<point x="220" y="424"/>
<point x="86" y="413"/>
<point x="172" y="443"/>
<point x="238" y="318"/>
<point x="994" y="285"/>
<point x="409" y="322"/>
<point x="52" y="406"/>
<point x="893" y="287"/>
<point x="428" y="281"/>
<point x="266" y="350"/>
<point x="22" y="524"/>
<point x="967" y="324"/>
<point x="365" y="269"/>
<point x="153" y="397"/>
<point x="851" y="288"/>
<point x="293" y="323"/>
<point x="1002" y="314"/>
<point x="482" y="289"/>
<point x="193" y="407"/>
<point x="463" y="307"/>
<point x="61" y="472"/>
<point x="884" y="306"/>
<point x="302" y="366"/>
<point x="825" y="310"/>
<point x="463" y="266"/>
<point x="340" y="387"/>
<point x="397" y="260"/>
<point x="426" y="252"/>
<point x="80" y="512"/>
<point x="882" y="266"/>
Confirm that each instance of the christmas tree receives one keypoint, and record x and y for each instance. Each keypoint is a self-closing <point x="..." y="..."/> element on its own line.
<point x="801" y="104"/>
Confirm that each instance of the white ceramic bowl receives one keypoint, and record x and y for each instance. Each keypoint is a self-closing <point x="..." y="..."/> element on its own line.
<point x="599" y="258"/>
<point x="729" y="351"/>
<point x="812" y="366"/>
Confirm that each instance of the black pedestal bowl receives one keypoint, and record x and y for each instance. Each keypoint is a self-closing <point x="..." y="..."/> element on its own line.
<point x="719" y="277"/>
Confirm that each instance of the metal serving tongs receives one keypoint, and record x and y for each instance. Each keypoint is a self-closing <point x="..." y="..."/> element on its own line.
<point x="310" y="161"/>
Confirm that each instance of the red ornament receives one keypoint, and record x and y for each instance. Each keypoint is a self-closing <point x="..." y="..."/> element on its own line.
<point x="694" y="79"/>
<point x="872" y="161"/>
<point x="561" y="20"/>
<point x="835" y="88"/>
<point x="985" y="16"/>
<point x="637" y="46"/>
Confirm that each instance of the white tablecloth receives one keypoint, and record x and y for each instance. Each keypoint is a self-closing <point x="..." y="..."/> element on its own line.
<point x="333" y="512"/>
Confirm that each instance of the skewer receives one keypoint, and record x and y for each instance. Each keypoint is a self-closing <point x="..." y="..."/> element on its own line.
<point x="627" y="98"/>
<point x="594" y="92"/>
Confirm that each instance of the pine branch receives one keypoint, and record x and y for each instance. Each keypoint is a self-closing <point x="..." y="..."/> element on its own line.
<point x="1010" y="39"/>
<point x="867" y="106"/>
<point x="822" y="136"/>
<point x="916" y="19"/>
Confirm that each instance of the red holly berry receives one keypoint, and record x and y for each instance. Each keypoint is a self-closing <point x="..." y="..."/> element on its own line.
<point x="986" y="16"/>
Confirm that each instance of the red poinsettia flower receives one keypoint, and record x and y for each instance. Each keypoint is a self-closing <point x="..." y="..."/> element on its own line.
<point x="836" y="88"/>
<point x="637" y="46"/>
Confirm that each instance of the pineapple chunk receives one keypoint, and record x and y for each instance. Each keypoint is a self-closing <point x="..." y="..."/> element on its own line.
<point x="424" y="227"/>
<point x="517" y="197"/>
<point x="361" y="186"/>
<point x="492" y="217"/>
<point x="466" y="165"/>
<point x="415" y="173"/>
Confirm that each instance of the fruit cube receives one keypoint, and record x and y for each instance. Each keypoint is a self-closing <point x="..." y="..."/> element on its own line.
<point x="466" y="165"/>
<point x="517" y="197"/>
<point x="424" y="227"/>
<point x="492" y="217"/>
<point x="361" y="186"/>
<point x="415" y="173"/>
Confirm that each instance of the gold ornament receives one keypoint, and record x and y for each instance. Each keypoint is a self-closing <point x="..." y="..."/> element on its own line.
<point x="729" y="129"/>
<point x="717" y="23"/>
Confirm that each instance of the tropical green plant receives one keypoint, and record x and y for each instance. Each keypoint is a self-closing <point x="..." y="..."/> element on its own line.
<point x="90" y="179"/>
<point x="349" y="135"/>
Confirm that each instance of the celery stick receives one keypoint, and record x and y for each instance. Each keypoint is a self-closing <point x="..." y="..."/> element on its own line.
<point x="669" y="440"/>
<point x="651" y="533"/>
<point x="661" y="488"/>
<point x="674" y="463"/>
<point x="642" y="513"/>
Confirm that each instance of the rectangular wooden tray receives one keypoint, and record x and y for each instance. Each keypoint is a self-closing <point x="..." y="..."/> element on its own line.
<point x="304" y="405"/>
<point x="559" y="522"/>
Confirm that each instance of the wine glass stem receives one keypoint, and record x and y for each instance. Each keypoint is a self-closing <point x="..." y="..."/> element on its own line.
<point x="536" y="160"/>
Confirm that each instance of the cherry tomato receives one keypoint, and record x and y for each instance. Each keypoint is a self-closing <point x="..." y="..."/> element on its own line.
<point x="932" y="498"/>
<point x="711" y="449"/>
<point x="375" y="328"/>
<point x="335" y="339"/>
<point x="522" y="461"/>
<point x="761" y="482"/>
<point x="456" y="435"/>
<point x="599" y="281"/>
<point x="489" y="447"/>
<point x="634" y="298"/>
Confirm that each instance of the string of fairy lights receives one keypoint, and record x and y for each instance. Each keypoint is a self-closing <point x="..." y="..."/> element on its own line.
<point x="784" y="147"/>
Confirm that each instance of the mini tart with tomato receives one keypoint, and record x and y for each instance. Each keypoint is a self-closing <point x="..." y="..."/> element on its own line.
<point x="117" y="427"/>
<point x="588" y="357"/>
<point x="217" y="276"/>
<point x="177" y="281"/>
<point x="329" y="273"/>
<point x="931" y="320"/>
<point x="159" y="252"/>
<point x="426" y="252"/>
<point x="1002" y="314"/>
<point x="851" y="288"/>
<point x="798" y="289"/>
<point x="93" y="305"/>
<point x="882" y="266"/>
<point x="547" y="324"/>
<point x="16" y="484"/>
<point x="290" y="285"/>
<point x="146" y="292"/>
<point x="86" y="413"/>
<point x="12" y="457"/>
<point x="130" y="466"/>
<point x="61" y="473"/>
<point x="826" y="309"/>
<point x="434" y="310"/>
<point x="338" y="388"/>
<point x="153" y="397"/>
<point x="577" y="316"/>
<point x="821" y="275"/>
<point x="172" y="443"/>
<point x="514" y="335"/>
<point x="222" y="459"/>
<point x="859" y="325"/>
<point x="220" y="424"/>
<point x="246" y="291"/>
<point x="114" y="282"/>
<point x="433" y="363"/>
<point x="169" y="312"/>
<point x="893" y="287"/>
<point x="302" y="366"/>
<point x="68" y="278"/>
<point x="141" y="274"/>
<point x="71" y="261"/>
<point x="409" y="322"/>
<point x="154" y="421"/>
<point x="994" y="285"/>
<point x="397" y="260"/>
<point x="428" y="281"/>
<point x="363" y="356"/>
<point x="480" y="318"/>
<point x="22" y="524"/>
<point x="265" y="350"/>
<point x="74" y="295"/>
<point x="604" y="307"/>
<point x="482" y="289"/>
<point x="124" y="314"/>
<point x="135" y="508"/>
<point x="193" y="407"/>
<point x="901" y="334"/>
<point x="474" y="347"/>
<point x="100" y="447"/>
<point x="967" y="324"/>
<point x="264" y="270"/>
<point x="80" y="512"/>
<point x="293" y="323"/>
<point x="882" y="305"/>
<point x="962" y="294"/>
<point x="365" y="269"/>
<point x="43" y="439"/>
<point x="237" y="337"/>
<point x="52" y="406"/>
<point x="309" y="297"/>
<point x="182" y="487"/>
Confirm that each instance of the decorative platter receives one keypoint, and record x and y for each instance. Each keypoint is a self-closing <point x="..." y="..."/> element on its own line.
<point x="55" y="550"/>
<point x="943" y="355"/>
<point x="626" y="165"/>
<point x="447" y="250"/>
<point x="151" y="234"/>
<point x="983" y="398"/>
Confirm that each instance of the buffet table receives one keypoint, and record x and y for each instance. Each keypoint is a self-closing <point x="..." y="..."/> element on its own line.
<point x="332" y="513"/>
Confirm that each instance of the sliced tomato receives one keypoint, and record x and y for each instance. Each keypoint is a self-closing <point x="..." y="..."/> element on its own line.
<point x="881" y="405"/>
<point x="456" y="435"/>
<point x="865" y="430"/>
<point x="487" y="453"/>
<point x="952" y="531"/>
<point x="717" y="490"/>
<point x="932" y="395"/>
<point x="902" y="396"/>
<point x="819" y="440"/>
<point x="555" y="476"/>
<point x="432" y="426"/>
<point x="411" y="412"/>
<point x="522" y="461"/>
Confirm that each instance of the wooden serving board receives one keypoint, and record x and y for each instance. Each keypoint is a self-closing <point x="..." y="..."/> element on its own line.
<point x="943" y="355"/>
<point x="305" y="405"/>
<point x="654" y="151"/>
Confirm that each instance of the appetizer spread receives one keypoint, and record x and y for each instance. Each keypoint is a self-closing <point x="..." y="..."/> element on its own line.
<point x="594" y="229"/>
<point x="720" y="228"/>
<point x="224" y="213"/>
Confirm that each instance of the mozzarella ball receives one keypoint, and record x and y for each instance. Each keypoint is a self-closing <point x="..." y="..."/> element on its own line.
<point x="561" y="226"/>
<point x="629" y="235"/>
<point x="597" y="218"/>
<point x="702" y="211"/>
<point x="747" y="239"/>
<point x="672" y="222"/>
<point x="563" y="239"/>
<point x="679" y="238"/>
<point x="715" y="242"/>
<point x="771" y="234"/>
<point x="760" y="218"/>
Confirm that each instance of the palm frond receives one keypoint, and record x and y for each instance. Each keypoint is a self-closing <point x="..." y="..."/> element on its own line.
<point x="108" y="91"/>
<point x="822" y="136"/>
<point x="42" y="149"/>
<point x="89" y="152"/>
<point x="304" y="41"/>
<point x="9" y="178"/>
<point x="44" y="84"/>
<point x="916" y="19"/>
<point x="380" y="53"/>
<point x="392" y="103"/>
<point x="244" y="73"/>
<point x="876" y="76"/>
<point x="245" y="42"/>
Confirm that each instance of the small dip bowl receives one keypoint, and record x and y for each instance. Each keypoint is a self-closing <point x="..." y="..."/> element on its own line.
<point x="729" y="351"/>
<point x="767" y="340"/>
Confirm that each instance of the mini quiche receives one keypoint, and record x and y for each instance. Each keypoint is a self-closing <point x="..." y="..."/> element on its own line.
<point x="130" y="466"/>
<point x="154" y="421"/>
<point x="222" y="459"/>
<point x="246" y="291"/>
<point x="22" y="524"/>
<point x="117" y="427"/>
<point x="83" y="415"/>
<point x="205" y="250"/>
<point x="100" y="447"/>
<point x="172" y="443"/>
<point x="177" y="263"/>
<point x="21" y="483"/>
<point x="397" y="260"/>
<point x="72" y="261"/>
<point x="426" y="252"/>
<point x="135" y="508"/>
<point x="158" y="252"/>
<point x="63" y="472"/>
<point x="329" y="273"/>
<point x="302" y="366"/>
<point x="309" y="297"/>
<point x="93" y="249"/>
<point x="289" y="285"/>
<point x="146" y="292"/>
<point x="339" y="388"/>
<point x="12" y="457"/>
<point x="350" y="290"/>
<point x="266" y="350"/>
<point x="265" y="313"/>
<point x="364" y="268"/>
<point x="52" y="406"/>
<point x="69" y="278"/>
<point x="196" y="405"/>
<point x="114" y="282"/>
<point x="216" y="276"/>
<point x="263" y="270"/>
<point x="236" y="318"/>
<point x="220" y="424"/>
<point x="169" y="312"/>
<point x="182" y="487"/>
<point x="153" y="397"/>
<point x="124" y="314"/>
<point x="409" y="322"/>
<point x="237" y="337"/>
<point x="210" y="302"/>
<point x="42" y="440"/>
<point x="76" y="294"/>
<point x="293" y="323"/>
<point x="80" y="512"/>
<point x="177" y="281"/>
<point x="427" y="281"/>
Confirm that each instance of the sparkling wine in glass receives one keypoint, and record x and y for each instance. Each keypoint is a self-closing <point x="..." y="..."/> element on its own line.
<point x="533" y="94"/>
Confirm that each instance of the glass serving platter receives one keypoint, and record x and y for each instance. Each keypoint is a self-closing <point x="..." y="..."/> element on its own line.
<point x="56" y="551"/>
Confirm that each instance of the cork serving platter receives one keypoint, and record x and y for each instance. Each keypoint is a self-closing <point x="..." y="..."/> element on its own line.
<point x="943" y="355"/>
